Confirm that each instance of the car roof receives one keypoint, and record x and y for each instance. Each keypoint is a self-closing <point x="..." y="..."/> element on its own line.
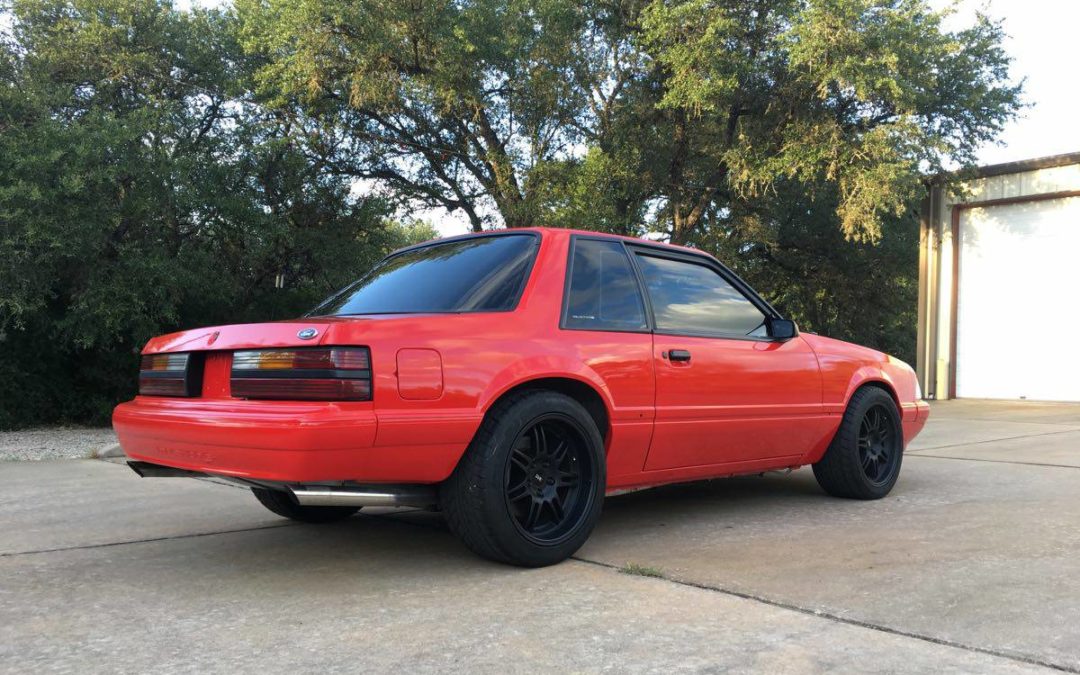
<point x="557" y="232"/>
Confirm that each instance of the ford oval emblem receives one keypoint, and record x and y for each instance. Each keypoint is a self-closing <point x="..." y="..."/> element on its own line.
<point x="307" y="333"/>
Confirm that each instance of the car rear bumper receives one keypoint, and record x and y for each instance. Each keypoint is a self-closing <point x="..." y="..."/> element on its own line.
<point x="290" y="442"/>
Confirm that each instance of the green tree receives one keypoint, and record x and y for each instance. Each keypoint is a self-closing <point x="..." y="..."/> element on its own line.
<point x="141" y="190"/>
<point x="788" y="246"/>
<point x="649" y="115"/>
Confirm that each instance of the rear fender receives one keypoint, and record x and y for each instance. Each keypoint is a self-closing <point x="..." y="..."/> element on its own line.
<point x="543" y="367"/>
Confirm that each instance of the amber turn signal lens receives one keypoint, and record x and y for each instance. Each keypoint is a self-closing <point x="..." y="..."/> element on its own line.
<point x="304" y="374"/>
<point x="334" y="358"/>
<point x="164" y="362"/>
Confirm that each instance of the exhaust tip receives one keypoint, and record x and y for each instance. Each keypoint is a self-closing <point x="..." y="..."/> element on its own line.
<point x="382" y="495"/>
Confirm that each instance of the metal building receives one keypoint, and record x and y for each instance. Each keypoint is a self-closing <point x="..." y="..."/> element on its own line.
<point x="999" y="283"/>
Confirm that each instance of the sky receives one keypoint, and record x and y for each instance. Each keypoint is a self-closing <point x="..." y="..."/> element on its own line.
<point x="1045" y="47"/>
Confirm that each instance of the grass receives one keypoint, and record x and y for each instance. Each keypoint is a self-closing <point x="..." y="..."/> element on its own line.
<point x="642" y="570"/>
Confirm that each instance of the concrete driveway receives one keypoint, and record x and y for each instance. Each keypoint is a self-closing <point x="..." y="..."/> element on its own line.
<point x="971" y="565"/>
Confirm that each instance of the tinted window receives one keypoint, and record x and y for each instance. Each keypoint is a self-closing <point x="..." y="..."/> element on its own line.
<point x="481" y="274"/>
<point x="603" y="292"/>
<point x="691" y="298"/>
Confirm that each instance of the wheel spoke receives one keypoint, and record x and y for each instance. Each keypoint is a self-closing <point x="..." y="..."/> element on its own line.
<point x="520" y="459"/>
<point x="560" y="452"/>
<point x="542" y="448"/>
<point x="534" y="514"/>
<point x="518" y="492"/>
<point x="557" y="509"/>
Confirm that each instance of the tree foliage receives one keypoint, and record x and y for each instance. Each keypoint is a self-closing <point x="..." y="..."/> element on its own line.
<point x="663" y="112"/>
<point x="141" y="190"/>
<point x="162" y="168"/>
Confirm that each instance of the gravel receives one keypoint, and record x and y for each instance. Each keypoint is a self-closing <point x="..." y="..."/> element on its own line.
<point x="55" y="443"/>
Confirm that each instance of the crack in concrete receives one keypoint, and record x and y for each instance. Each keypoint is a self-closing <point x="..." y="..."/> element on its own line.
<point x="821" y="614"/>
<point x="109" y="544"/>
<point x="997" y="461"/>
<point x="990" y="440"/>
<point x="938" y="418"/>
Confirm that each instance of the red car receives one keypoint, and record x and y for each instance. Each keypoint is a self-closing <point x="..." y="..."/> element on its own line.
<point x="512" y="379"/>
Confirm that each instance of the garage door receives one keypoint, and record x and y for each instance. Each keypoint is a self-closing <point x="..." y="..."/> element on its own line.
<point x="1018" y="312"/>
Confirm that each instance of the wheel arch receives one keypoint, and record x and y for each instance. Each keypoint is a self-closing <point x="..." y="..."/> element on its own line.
<point x="868" y="376"/>
<point x="580" y="390"/>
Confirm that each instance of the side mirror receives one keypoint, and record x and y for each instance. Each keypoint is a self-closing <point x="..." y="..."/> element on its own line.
<point x="782" y="329"/>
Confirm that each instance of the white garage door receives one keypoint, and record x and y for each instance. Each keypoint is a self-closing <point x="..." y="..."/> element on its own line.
<point x="1019" y="302"/>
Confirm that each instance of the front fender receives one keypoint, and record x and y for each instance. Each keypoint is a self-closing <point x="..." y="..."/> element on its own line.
<point x="871" y="374"/>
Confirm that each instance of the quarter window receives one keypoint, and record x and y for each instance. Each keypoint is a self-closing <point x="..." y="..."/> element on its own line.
<point x="603" y="292"/>
<point x="691" y="298"/>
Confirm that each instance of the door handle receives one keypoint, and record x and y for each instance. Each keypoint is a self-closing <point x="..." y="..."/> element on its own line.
<point x="679" y="355"/>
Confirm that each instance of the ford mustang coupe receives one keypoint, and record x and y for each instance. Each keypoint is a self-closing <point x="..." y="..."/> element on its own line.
<point x="511" y="379"/>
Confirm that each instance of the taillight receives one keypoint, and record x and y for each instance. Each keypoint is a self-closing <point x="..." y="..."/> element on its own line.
<point x="314" y="374"/>
<point x="166" y="375"/>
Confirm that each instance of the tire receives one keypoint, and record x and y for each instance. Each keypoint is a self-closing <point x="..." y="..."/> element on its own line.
<point x="285" y="506"/>
<point x="863" y="461"/>
<point x="530" y="487"/>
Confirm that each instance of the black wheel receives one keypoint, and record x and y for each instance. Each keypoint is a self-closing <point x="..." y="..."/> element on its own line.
<point x="531" y="484"/>
<point x="285" y="506"/>
<point x="863" y="461"/>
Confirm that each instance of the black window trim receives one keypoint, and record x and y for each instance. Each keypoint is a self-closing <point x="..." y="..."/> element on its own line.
<point x="715" y="265"/>
<point x="634" y="248"/>
<point x="574" y="239"/>
<point x="439" y="242"/>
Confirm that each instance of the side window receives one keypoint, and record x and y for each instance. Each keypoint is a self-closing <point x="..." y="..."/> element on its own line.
<point x="602" y="293"/>
<point x="691" y="298"/>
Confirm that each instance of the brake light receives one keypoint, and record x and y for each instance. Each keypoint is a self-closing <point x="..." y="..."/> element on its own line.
<point x="165" y="375"/>
<point x="314" y="374"/>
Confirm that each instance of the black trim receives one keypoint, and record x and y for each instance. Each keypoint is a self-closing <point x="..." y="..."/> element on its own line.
<point x="727" y="275"/>
<point x="439" y="242"/>
<point x="633" y="248"/>
<point x="663" y="251"/>
<point x="300" y="374"/>
<point x="646" y="306"/>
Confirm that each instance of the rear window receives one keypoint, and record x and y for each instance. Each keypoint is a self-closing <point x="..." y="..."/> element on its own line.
<point x="480" y="274"/>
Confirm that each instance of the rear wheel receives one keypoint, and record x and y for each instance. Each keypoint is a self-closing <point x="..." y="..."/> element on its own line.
<point x="531" y="485"/>
<point x="285" y="506"/>
<point x="863" y="461"/>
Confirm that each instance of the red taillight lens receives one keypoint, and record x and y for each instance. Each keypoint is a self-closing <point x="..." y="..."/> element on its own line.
<point x="165" y="375"/>
<point x="315" y="374"/>
<point x="293" y="389"/>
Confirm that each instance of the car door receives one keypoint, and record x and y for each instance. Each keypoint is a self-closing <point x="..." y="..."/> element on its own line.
<point x="726" y="393"/>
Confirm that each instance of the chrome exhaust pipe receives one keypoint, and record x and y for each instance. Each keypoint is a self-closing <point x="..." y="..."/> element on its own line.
<point x="381" y="495"/>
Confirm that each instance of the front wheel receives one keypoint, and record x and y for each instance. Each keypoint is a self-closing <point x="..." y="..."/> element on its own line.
<point x="531" y="484"/>
<point x="863" y="461"/>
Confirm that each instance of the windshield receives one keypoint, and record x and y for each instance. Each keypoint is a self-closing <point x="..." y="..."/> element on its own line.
<point x="478" y="274"/>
